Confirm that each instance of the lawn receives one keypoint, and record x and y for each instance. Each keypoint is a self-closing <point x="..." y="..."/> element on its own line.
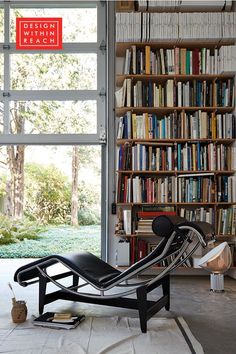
<point x="57" y="239"/>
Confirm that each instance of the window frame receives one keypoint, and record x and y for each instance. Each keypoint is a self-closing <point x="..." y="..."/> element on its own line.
<point x="99" y="95"/>
<point x="100" y="138"/>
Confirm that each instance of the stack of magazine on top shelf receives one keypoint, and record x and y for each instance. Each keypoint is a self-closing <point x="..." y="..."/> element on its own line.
<point x="58" y="320"/>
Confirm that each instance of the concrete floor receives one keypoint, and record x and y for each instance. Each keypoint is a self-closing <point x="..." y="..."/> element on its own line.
<point x="210" y="316"/>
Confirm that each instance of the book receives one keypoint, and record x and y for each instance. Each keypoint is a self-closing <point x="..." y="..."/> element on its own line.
<point x="127" y="221"/>
<point x="53" y="320"/>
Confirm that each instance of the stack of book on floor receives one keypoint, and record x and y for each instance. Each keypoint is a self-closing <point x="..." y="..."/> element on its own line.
<point x="58" y="320"/>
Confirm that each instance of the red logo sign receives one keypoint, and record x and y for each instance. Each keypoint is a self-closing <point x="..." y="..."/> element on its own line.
<point x="39" y="33"/>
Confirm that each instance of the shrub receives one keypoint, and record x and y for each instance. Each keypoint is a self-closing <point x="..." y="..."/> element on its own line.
<point x="12" y="231"/>
<point x="47" y="194"/>
<point x="88" y="217"/>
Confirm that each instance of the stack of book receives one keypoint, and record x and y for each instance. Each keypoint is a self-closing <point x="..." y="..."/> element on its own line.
<point x="58" y="320"/>
<point x="144" y="227"/>
<point x="145" y="220"/>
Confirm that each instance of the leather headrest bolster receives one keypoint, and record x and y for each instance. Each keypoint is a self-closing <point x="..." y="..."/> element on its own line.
<point x="164" y="225"/>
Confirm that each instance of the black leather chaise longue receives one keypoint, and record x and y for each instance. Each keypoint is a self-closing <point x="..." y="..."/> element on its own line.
<point x="102" y="284"/>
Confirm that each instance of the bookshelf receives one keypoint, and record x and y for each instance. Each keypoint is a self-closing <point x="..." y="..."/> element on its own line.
<point x="175" y="127"/>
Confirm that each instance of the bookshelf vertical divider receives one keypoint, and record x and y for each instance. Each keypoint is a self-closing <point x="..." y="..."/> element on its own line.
<point x="176" y="158"/>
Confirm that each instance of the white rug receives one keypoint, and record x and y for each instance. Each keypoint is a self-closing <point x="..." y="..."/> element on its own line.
<point x="101" y="335"/>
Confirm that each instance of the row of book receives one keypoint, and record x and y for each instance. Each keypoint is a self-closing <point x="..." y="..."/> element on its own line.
<point x="207" y="25"/>
<point x="198" y="214"/>
<point x="179" y="61"/>
<point x="173" y="93"/>
<point x="139" y="249"/>
<point x="183" y="5"/>
<point x="149" y="27"/>
<point x="210" y="157"/>
<point x="226" y="221"/>
<point x="195" y="188"/>
<point x="226" y="189"/>
<point x="192" y="189"/>
<point x="197" y="125"/>
<point x="176" y="157"/>
<point x="204" y="189"/>
<point x="146" y="190"/>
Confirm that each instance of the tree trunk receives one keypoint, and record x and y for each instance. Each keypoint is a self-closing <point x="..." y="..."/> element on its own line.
<point x="16" y="157"/>
<point x="74" y="194"/>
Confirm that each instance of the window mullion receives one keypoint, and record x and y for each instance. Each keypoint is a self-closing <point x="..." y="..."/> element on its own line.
<point x="51" y="95"/>
<point x="6" y="82"/>
<point x="50" y="139"/>
<point x="6" y="23"/>
<point x="67" y="48"/>
<point x="101" y="73"/>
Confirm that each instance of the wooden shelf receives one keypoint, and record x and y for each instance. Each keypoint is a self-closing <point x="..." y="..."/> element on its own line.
<point x="179" y="203"/>
<point x="164" y="110"/>
<point x="162" y="78"/>
<point x="175" y="172"/>
<point x="172" y="43"/>
<point x="218" y="237"/>
<point x="172" y="141"/>
<point x="137" y="235"/>
<point x="225" y="237"/>
<point x="147" y="172"/>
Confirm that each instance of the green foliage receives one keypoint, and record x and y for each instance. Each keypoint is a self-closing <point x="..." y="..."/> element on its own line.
<point x="13" y="231"/>
<point x="57" y="240"/>
<point x="47" y="194"/>
<point x="88" y="217"/>
<point x="2" y="185"/>
<point x="88" y="213"/>
<point x="48" y="197"/>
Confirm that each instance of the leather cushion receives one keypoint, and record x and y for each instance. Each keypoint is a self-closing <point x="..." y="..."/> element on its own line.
<point x="88" y="266"/>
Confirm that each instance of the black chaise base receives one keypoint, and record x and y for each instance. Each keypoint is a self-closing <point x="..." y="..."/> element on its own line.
<point x="146" y="308"/>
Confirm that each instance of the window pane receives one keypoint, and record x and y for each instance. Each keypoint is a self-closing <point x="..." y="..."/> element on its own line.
<point x="1" y="71"/>
<point x="47" y="195"/>
<point x="79" y="24"/>
<point x="1" y="117"/>
<point x="54" y="117"/>
<point x="1" y="25"/>
<point x="54" y="71"/>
